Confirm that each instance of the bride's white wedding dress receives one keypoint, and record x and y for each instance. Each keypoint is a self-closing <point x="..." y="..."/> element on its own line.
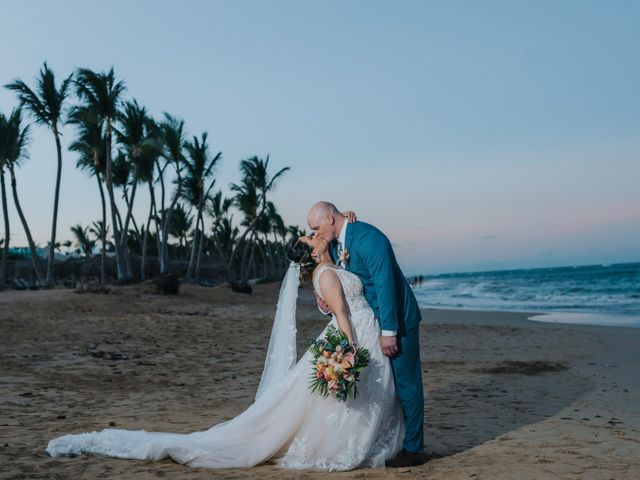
<point x="286" y="425"/>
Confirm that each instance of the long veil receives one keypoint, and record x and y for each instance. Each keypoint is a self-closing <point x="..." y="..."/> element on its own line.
<point x="243" y="441"/>
<point x="281" y="355"/>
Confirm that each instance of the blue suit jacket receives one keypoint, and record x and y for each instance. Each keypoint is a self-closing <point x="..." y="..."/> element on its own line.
<point x="385" y="286"/>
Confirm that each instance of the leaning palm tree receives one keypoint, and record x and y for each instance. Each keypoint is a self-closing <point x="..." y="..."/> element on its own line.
<point x="90" y="145"/>
<point x="148" y="160"/>
<point x="46" y="105"/>
<point x="101" y="92"/>
<point x="13" y="143"/>
<point x="135" y="133"/>
<point x="173" y="138"/>
<point x="199" y="167"/>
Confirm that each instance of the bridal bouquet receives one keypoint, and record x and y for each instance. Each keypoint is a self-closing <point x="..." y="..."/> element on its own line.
<point x="336" y="366"/>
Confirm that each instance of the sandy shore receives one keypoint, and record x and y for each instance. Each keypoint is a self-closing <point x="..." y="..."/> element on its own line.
<point x="506" y="398"/>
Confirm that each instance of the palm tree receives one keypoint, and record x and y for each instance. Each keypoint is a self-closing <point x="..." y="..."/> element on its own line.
<point x="46" y="106"/>
<point x="149" y="159"/>
<point x="101" y="92"/>
<point x="136" y="134"/>
<point x="82" y="239"/>
<point x="173" y="138"/>
<point x="13" y="143"/>
<point x="224" y="234"/>
<point x="251" y="199"/>
<point x="181" y="222"/>
<point x="121" y="175"/>
<point x="199" y="167"/>
<point x="224" y="237"/>
<point x="90" y="144"/>
<point x="99" y="230"/>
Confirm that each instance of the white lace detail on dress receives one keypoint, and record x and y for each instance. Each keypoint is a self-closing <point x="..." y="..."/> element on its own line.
<point x="351" y="285"/>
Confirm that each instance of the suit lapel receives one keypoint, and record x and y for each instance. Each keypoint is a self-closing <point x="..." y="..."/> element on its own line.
<point x="347" y="241"/>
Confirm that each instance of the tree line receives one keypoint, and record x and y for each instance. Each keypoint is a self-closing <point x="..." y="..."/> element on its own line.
<point x="118" y="143"/>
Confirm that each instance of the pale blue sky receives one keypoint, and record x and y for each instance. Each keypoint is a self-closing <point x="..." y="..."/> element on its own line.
<point x="477" y="135"/>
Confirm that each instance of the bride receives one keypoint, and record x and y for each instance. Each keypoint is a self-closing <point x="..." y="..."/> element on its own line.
<point x="287" y="424"/>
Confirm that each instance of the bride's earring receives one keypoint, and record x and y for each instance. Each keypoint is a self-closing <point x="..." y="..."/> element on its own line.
<point x="319" y="257"/>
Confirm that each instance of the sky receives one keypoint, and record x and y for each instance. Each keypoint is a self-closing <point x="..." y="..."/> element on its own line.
<point x="476" y="135"/>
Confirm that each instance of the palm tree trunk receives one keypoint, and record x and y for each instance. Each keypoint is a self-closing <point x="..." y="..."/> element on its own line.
<point x="243" y="262"/>
<point x="264" y="260"/>
<point x="192" y="255"/>
<point x="130" y="202"/>
<point x="103" y="233"/>
<point x="124" y="237"/>
<point x="156" y="217"/>
<point x="7" y="232"/>
<point x="32" y="246"/>
<point x="120" y="262"/>
<point x="195" y="246"/>
<point x="200" y="245"/>
<point x="54" y="224"/>
<point x="252" y="263"/>
<point x="237" y="245"/>
<point x="128" y="218"/>
<point x="164" y="257"/>
<point x="143" y="263"/>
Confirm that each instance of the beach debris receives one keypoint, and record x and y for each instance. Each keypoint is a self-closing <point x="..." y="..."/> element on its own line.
<point x="91" y="349"/>
<point x="241" y="287"/>
<point x="168" y="284"/>
<point x="533" y="367"/>
<point x="92" y="287"/>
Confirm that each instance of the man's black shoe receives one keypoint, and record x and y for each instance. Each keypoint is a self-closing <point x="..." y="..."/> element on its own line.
<point x="406" y="459"/>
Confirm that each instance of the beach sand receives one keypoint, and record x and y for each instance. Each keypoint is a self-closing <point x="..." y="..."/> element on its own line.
<point x="506" y="398"/>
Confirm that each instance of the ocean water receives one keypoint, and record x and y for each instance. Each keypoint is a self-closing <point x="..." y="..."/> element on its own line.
<point x="592" y="294"/>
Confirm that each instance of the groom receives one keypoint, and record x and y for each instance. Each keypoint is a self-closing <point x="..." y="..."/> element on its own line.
<point x="364" y="250"/>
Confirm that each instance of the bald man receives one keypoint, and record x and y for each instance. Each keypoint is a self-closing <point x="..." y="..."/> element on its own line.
<point x="365" y="251"/>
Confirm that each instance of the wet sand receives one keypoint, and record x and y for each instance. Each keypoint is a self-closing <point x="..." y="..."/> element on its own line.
<point x="505" y="397"/>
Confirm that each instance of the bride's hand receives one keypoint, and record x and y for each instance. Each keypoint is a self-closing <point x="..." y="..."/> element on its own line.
<point x="350" y="216"/>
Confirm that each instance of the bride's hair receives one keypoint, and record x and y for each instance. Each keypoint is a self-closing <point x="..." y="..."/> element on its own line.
<point x="300" y="253"/>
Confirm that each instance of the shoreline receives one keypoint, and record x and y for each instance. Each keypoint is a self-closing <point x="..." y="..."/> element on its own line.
<point x="504" y="395"/>
<point x="586" y="318"/>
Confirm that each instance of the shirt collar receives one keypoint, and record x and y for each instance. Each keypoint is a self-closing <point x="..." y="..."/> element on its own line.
<point x="343" y="233"/>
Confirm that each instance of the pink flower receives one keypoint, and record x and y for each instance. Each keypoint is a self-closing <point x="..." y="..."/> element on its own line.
<point x="348" y="360"/>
